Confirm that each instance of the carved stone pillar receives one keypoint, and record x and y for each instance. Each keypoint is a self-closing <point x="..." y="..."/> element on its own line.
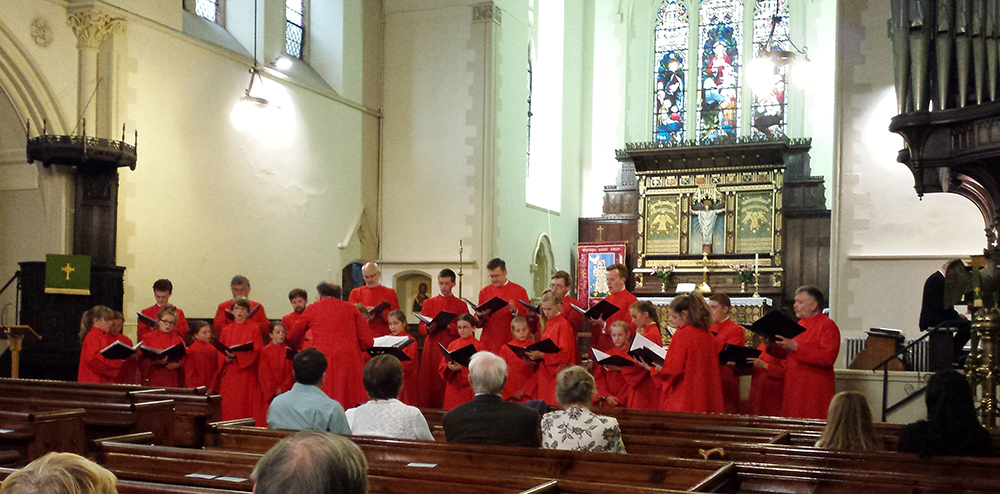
<point x="95" y="222"/>
<point x="91" y="28"/>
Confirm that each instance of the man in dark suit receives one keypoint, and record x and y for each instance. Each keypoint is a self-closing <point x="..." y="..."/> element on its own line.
<point x="488" y="419"/>
<point x="934" y="312"/>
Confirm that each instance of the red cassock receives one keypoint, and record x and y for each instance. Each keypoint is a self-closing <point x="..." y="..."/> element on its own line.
<point x="410" y="394"/>
<point x="129" y="373"/>
<point x="519" y="372"/>
<point x="238" y="379"/>
<point x="293" y="338"/>
<point x="689" y="379"/>
<point x="153" y="312"/>
<point x="767" y="386"/>
<point x="496" y="331"/>
<point x="370" y="297"/>
<point x="729" y="332"/>
<point x="643" y="392"/>
<point x="258" y="319"/>
<point x="457" y="389"/>
<point x="612" y="383"/>
<point x="274" y="373"/>
<point x="809" y="378"/>
<point x="560" y="332"/>
<point x="94" y="368"/>
<point x="155" y="373"/>
<point x="431" y="383"/>
<point x="575" y="320"/>
<point x="201" y="366"/>
<point x="600" y="338"/>
<point x="342" y="334"/>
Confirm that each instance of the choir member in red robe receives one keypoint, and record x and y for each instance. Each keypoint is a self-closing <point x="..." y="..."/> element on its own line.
<point x="519" y="371"/>
<point x="600" y="336"/>
<point x="496" y="325"/>
<point x="560" y="285"/>
<point x="431" y="383"/>
<point x="129" y="373"/>
<point x="560" y="332"/>
<point x="644" y="394"/>
<point x="726" y="331"/>
<point x="456" y="376"/>
<point x="299" y="300"/>
<point x="613" y="389"/>
<point x="238" y="375"/>
<point x="94" y="327"/>
<point x="162" y="290"/>
<point x="162" y="373"/>
<point x="767" y="384"/>
<point x="342" y="334"/>
<point x="689" y="378"/>
<point x="274" y="373"/>
<point x="240" y="287"/>
<point x="372" y="294"/>
<point x="201" y="364"/>
<point x="410" y="393"/>
<point x="809" y="358"/>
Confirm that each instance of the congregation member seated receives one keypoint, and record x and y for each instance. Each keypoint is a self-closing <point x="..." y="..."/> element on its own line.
<point x="488" y="419"/>
<point x="951" y="427"/>
<point x="577" y="428"/>
<point x="306" y="406"/>
<point x="312" y="462"/>
<point x="384" y="415"/>
<point x="849" y="425"/>
<point x="61" y="473"/>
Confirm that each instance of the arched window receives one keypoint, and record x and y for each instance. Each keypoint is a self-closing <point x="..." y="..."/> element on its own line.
<point x="716" y="45"/>
<point x="770" y="22"/>
<point x="670" y="64"/>
<point x="208" y="9"/>
<point x="295" y="27"/>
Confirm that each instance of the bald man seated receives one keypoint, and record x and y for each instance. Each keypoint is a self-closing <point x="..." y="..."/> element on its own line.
<point x="488" y="419"/>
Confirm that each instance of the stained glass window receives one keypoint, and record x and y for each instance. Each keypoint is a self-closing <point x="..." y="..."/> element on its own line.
<point x="769" y="100"/>
<point x="209" y="9"/>
<point x="720" y="32"/>
<point x="670" y="65"/>
<point x="295" y="27"/>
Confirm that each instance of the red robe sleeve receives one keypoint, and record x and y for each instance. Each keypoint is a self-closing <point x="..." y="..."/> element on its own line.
<point x="364" y="335"/>
<point x="182" y="329"/>
<point x="221" y="320"/>
<point x="269" y="371"/>
<point x="106" y="369"/>
<point x="293" y="333"/>
<point x="411" y="386"/>
<point x="823" y="354"/>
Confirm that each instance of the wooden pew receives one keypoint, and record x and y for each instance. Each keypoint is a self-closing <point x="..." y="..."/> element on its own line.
<point x="629" y="470"/>
<point x="172" y="465"/>
<point x="103" y="419"/>
<point x="194" y="408"/>
<point x="32" y="432"/>
<point x="9" y="457"/>
<point x="133" y="487"/>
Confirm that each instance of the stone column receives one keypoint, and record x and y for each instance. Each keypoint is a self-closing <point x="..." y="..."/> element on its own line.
<point x="91" y="28"/>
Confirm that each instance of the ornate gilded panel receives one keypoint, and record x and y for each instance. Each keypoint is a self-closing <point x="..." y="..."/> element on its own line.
<point x="662" y="225"/>
<point x="755" y="222"/>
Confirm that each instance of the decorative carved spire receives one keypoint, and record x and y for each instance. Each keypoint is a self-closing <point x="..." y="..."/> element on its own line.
<point x="92" y="27"/>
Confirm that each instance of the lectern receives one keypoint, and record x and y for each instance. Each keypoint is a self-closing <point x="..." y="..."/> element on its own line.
<point x="15" y="337"/>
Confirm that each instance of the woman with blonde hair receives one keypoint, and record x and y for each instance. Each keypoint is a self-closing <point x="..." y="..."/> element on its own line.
<point x="849" y="425"/>
<point x="689" y="377"/>
<point x="61" y="473"/>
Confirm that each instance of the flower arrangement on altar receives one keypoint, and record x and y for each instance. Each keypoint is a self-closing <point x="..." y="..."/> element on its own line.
<point x="744" y="272"/>
<point x="664" y="273"/>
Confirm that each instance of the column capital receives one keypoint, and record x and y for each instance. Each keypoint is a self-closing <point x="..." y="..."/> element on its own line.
<point x="486" y="12"/>
<point x="92" y="27"/>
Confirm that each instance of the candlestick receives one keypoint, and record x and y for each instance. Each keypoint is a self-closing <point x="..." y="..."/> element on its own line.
<point x="756" y="293"/>
<point x="756" y="263"/>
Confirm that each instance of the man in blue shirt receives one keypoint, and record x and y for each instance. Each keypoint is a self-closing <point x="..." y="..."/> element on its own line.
<point x="306" y="406"/>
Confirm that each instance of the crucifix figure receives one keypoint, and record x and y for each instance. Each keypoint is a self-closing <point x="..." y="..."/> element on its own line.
<point x="707" y="210"/>
<point x="67" y="269"/>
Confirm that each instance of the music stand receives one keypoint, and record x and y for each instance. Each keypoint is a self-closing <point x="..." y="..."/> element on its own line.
<point x="15" y="335"/>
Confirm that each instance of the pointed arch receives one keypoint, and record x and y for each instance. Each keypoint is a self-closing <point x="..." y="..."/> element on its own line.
<point x="22" y="82"/>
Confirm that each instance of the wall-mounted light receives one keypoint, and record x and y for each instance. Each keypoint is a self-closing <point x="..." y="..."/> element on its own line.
<point x="283" y="63"/>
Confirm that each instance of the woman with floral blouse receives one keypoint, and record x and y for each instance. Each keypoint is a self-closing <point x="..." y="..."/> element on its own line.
<point x="577" y="428"/>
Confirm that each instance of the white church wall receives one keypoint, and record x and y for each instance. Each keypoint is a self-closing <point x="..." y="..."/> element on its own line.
<point x="432" y="177"/>
<point x="206" y="201"/>
<point x="886" y="241"/>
